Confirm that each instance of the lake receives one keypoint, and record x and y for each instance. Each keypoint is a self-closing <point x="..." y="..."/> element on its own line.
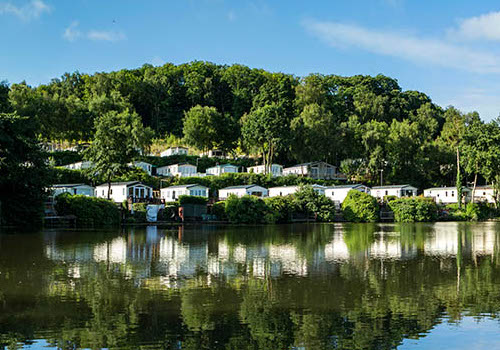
<point x="305" y="286"/>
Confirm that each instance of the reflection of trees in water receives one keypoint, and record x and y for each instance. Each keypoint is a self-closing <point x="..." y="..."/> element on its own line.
<point x="366" y="301"/>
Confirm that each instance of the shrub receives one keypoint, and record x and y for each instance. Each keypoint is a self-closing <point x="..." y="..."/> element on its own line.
<point x="139" y="212"/>
<point x="245" y="210"/>
<point x="307" y="200"/>
<point x="192" y="200"/>
<point x="88" y="210"/>
<point x="219" y="210"/>
<point x="389" y="198"/>
<point x="280" y="208"/>
<point x="480" y="211"/>
<point x="451" y="213"/>
<point x="360" y="207"/>
<point x="414" y="209"/>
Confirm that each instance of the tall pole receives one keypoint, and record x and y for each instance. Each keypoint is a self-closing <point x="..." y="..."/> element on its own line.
<point x="381" y="177"/>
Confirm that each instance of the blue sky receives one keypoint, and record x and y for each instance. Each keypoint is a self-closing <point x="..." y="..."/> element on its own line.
<point x="449" y="49"/>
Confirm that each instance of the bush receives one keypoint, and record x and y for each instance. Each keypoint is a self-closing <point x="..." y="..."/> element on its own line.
<point x="192" y="200"/>
<point x="389" y="198"/>
<point x="307" y="200"/>
<point x="480" y="212"/>
<point x="88" y="210"/>
<point x="219" y="210"/>
<point x="139" y="212"/>
<point x="360" y="207"/>
<point x="246" y="210"/>
<point x="414" y="209"/>
<point x="280" y="208"/>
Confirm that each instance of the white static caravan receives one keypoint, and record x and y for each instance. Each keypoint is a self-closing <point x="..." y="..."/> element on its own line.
<point x="79" y="165"/>
<point x="338" y="193"/>
<point x="276" y="169"/>
<point x="121" y="191"/>
<point x="80" y="189"/>
<point x="172" y="193"/>
<point x="315" y="170"/>
<point x="174" y="151"/>
<point x="484" y="194"/>
<point x="147" y="167"/>
<point x="394" y="190"/>
<point x="240" y="191"/>
<point x="447" y="195"/>
<point x="213" y="153"/>
<point x="286" y="190"/>
<point x="221" y="169"/>
<point x="180" y="170"/>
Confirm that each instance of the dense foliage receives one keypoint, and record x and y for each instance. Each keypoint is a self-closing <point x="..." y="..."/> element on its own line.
<point x="360" y="207"/>
<point x="414" y="209"/>
<point x="88" y="210"/>
<point x="118" y="139"/>
<point x="471" y="212"/>
<point x="307" y="200"/>
<point x="23" y="171"/>
<point x="185" y="199"/>
<point x="305" y="203"/>
<point x="366" y="124"/>
<point x="245" y="210"/>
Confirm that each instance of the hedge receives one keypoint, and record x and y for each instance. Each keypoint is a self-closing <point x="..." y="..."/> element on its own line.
<point x="192" y="200"/>
<point x="88" y="210"/>
<point x="360" y="207"/>
<point x="414" y="209"/>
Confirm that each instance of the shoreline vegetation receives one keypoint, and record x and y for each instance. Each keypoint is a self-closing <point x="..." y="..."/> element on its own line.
<point x="306" y="205"/>
<point x="368" y="127"/>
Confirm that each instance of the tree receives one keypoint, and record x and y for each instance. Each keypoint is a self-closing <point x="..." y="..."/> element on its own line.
<point x="266" y="130"/>
<point x="452" y="135"/>
<point x="4" y="97"/>
<point x="23" y="171"/>
<point x="118" y="139"/>
<point x="205" y="128"/>
<point x="314" y="128"/>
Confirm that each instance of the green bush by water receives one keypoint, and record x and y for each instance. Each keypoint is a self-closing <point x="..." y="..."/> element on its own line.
<point x="414" y="209"/>
<point x="360" y="207"/>
<point x="88" y="210"/>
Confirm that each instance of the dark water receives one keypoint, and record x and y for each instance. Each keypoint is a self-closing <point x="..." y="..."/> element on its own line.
<point x="424" y="286"/>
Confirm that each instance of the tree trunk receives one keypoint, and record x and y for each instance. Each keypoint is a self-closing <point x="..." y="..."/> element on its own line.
<point x="109" y="187"/>
<point x="459" y="181"/>
<point x="474" y="188"/>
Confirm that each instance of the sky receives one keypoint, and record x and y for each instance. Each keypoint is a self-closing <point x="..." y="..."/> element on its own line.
<point x="448" y="49"/>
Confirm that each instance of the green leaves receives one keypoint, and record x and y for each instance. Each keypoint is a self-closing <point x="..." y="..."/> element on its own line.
<point x="118" y="139"/>
<point x="23" y="171"/>
<point x="205" y="128"/>
<point x="360" y="207"/>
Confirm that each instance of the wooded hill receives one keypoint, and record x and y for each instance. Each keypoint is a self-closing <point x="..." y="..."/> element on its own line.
<point x="363" y="124"/>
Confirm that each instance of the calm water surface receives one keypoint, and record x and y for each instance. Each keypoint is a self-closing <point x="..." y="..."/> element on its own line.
<point x="353" y="286"/>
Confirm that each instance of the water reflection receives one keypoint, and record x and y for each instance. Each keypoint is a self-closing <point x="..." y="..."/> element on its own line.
<point x="352" y="286"/>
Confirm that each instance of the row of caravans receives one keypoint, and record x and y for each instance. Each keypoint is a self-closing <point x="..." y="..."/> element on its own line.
<point x="120" y="191"/>
<point x="314" y="170"/>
